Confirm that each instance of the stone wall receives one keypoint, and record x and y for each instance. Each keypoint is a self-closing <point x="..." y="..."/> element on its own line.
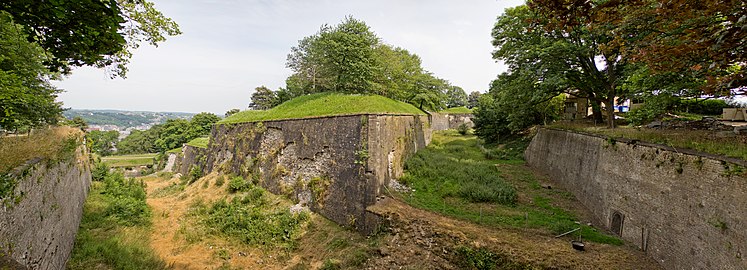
<point x="444" y="121"/>
<point x="38" y="232"/>
<point x="336" y="166"/>
<point x="687" y="210"/>
<point x="190" y="156"/>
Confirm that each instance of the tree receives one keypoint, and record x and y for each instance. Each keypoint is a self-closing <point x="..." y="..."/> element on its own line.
<point x="93" y="32"/>
<point x="231" y="112"/>
<point x="339" y="58"/>
<point x="103" y="142"/>
<point x="200" y="125"/>
<point x="27" y="98"/>
<point x="263" y="99"/>
<point x="473" y="99"/>
<point x="456" y="97"/>
<point x="703" y="39"/>
<point x="172" y="134"/>
<point x="567" y="60"/>
<point x="78" y="122"/>
<point x="514" y="104"/>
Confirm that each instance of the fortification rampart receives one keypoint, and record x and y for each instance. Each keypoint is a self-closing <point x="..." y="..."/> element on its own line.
<point x="337" y="166"/>
<point x="687" y="210"/>
<point x="39" y="223"/>
<point x="444" y="121"/>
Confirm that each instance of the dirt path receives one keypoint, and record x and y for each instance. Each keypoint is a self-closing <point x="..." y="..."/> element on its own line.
<point x="421" y="236"/>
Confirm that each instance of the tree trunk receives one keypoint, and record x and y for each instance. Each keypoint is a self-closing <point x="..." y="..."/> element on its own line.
<point x="596" y="110"/>
<point x="609" y="107"/>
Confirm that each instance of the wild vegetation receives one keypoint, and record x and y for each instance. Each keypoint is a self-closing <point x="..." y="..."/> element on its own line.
<point x="461" y="177"/>
<point x="350" y="58"/>
<point x="325" y="104"/>
<point x="668" y="56"/>
<point x="167" y="136"/>
<point x="114" y="230"/>
<point x="129" y="160"/>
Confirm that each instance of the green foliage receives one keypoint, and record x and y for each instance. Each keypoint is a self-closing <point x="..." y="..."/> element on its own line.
<point x="238" y="183"/>
<point x="483" y="259"/>
<point x="100" y="171"/>
<point x="126" y="200"/>
<point x="654" y="107"/>
<point x="456" y="97"/>
<point x="90" y="33"/>
<point x="251" y="220"/>
<point x="77" y="122"/>
<point x="231" y="112"/>
<point x="263" y="99"/>
<point x="512" y="105"/>
<point x="220" y="181"/>
<point x="201" y="124"/>
<point x="193" y="175"/>
<point x="473" y="99"/>
<point x="350" y="58"/>
<point x="453" y="177"/>
<point x="463" y="129"/>
<point x="27" y="97"/>
<point x="456" y="170"/>
<point x="325" y="104"/>
<point x="100" y="241"/>
<point x="103" y="142"/>
<point x="510" y="149"/>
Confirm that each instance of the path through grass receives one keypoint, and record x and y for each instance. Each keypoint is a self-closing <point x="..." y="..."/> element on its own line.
<point x="453" y="177"/>
<point x="129" y="160"/>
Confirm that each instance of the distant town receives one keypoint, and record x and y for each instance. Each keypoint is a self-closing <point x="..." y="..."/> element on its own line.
<point x="123" y="122"/>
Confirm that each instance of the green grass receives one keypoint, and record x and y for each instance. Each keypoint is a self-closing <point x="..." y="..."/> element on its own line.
<point x="175" y="150"/>
<point x="252" y="216"/>
<point x="325" y="104"/>
<point x="699" y="140"/>
<point x="199" y="142"/>
<point x="454" y="176"/>
<point x="115" y="228"/>
<point x="457" y="110"/>
<point x="129" y="160"/>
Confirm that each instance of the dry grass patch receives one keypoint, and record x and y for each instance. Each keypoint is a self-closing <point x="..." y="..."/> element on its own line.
<point x="51" y="143"/>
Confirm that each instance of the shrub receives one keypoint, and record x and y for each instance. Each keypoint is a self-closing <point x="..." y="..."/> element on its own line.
<point x="219" y="182"/>
<point x="238" y="184"/>
<point x="463" y="129"/>
<point x="249" y="220"/>
<point x="126" y="200"/>
<point x="100" y="171"/>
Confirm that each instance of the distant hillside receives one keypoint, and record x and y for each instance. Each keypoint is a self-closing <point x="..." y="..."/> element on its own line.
<point x="124" y="119"/>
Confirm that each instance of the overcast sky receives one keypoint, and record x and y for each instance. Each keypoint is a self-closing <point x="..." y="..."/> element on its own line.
<point x="229" y="47"/>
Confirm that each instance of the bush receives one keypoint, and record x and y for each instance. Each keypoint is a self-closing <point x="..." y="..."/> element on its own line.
<point x="220" y="181"/>
<point x="100" y="171"/>
<point x="238" y="184"/>
<point x="463" y="129"/>
<point x="126" y="200"/>
<point x="701" y="106"/>
<point x="248" y="219"/>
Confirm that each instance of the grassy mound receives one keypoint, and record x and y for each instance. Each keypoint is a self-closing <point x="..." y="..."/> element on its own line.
<point x="199" y="142"/>
<point x="457" y="110"/>
<point x="325" y="104"/>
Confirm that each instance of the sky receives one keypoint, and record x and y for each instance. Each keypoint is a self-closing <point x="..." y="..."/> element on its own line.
<point x="229" y="47"/>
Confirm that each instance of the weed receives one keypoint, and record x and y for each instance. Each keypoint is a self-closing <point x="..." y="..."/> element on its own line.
<point x="361" y="156"/>
<point x="100" y="170"/>
<point x="463" y="129"/>
<point x="483" y="259"/>
<point x="331" y="264"/>
<point x="249" y="219"/>
<point x="319" y="186"/>
<point x="237" y="184"/>
<point x="222" y="254"/>
<point x="220" y="181"/>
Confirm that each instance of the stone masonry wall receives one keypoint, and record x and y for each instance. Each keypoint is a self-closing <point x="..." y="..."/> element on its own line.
<point x="444" y="121"/>
<point x="334" y="165"/>
<point x="685" y="209"/>
<point x="190" y="156"/>
<point x="39" y="231"/>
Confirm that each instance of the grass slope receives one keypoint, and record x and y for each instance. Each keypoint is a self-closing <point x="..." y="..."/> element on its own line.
<point x="199" y="142"/>
<point x="325" y="104"/>
<point x="129" y="160"/>
<point x="53" y="143"/>
<point x="454" y="176"/>
<point x="457" y="110"/>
